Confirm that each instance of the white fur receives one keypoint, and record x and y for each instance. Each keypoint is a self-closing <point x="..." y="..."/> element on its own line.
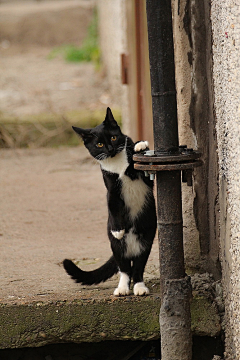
<point x="133" y="246"/>
<point x="140" y="289"/>
<point x="141" y="145"/>
<point x="118" y="234"/>
<point x="134" y="193"/>
<point x="123" y="286"/>
<point x="117" y="164"/>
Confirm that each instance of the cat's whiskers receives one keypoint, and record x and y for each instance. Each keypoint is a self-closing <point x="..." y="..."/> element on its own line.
<point x="101" y="156"/>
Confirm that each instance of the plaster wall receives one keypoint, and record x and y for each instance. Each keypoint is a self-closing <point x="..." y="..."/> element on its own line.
<point x="183" y="70"/>
<point x="113" y="43"/>
<point x="193" y="59"/>
<point x="225" y="17"/>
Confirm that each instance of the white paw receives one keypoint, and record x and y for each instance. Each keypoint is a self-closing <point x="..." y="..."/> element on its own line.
<point x="121" y="291"/>
<point x="118" y="234"/>
<point x="123" y="286"/>
<point x="141" y="145"/>
<point x="140" y="289"/>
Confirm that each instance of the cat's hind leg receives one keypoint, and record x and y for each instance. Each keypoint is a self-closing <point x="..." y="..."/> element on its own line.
<point x="125" y="279"/>
<point x="123" y="285"/>
<point x="139" y="263"/>
<point x="140" y="289"/>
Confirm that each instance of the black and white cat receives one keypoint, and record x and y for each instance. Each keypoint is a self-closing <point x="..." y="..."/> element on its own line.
<point x="131" y="208"/>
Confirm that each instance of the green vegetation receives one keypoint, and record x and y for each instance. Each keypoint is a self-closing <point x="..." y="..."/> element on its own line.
<point x="89" y="51"/>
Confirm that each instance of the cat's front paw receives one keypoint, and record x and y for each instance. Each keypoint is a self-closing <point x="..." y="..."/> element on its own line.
<point x="140" y="289"/>
<point x="118" y="234"/>
<point x="141" y="145"/>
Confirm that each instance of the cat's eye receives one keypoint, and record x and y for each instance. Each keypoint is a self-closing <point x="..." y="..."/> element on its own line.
<point x="114" y="138"/>
<point x="99" y="145"/>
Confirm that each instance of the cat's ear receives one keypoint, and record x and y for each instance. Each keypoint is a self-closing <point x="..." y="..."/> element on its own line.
<point x="83" y="133"/>
<point x="109" y="119"/>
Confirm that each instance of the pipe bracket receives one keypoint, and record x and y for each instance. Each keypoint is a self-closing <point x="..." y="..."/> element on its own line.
<point x="184" y="159"/>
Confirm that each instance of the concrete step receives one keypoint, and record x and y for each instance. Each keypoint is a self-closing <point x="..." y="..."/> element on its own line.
<point x="95" y="316"/>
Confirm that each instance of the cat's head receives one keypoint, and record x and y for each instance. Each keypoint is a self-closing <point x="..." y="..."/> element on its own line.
<point x="105" y="140"/>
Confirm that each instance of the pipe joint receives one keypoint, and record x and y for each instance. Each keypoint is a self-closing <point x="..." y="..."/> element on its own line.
<point x="184" y="159"/>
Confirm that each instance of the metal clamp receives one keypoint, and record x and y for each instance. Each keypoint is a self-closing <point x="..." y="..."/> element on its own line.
<point x="184" y="159"/>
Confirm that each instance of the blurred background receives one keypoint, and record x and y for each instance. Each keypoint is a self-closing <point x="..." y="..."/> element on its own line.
<point x="51" y="73"/>
<point x="62" y="62"/>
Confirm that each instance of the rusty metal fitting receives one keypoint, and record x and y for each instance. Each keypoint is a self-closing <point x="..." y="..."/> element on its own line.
<point x="184" y="159"/>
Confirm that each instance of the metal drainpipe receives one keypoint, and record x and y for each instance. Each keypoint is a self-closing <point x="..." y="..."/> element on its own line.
<point x="167" y="161"/>
<point x="165" y="127"/>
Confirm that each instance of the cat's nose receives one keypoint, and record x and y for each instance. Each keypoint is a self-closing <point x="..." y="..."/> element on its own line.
<point x="110" y="148"/>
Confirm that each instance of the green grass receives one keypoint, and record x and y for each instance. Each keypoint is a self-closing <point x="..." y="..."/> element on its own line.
<point x="88" y="52"/>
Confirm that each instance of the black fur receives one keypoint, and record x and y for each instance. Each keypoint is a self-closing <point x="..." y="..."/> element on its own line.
<point x="107" y="141"/>
<point x="91" y="277"/>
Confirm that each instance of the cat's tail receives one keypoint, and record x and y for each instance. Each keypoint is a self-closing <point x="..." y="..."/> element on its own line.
<point x="105" y="272"/>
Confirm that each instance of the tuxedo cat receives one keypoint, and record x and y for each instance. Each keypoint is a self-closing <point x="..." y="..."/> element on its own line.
<point x="131" y="208"/>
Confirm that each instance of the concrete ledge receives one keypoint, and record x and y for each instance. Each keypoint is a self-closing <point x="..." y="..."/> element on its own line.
<point x="94" y="319"/>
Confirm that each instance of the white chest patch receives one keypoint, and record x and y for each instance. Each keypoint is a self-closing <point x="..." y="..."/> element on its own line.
<point x="133" y="246"/>
<point x="117" y="165"/>
<point x="135" y="194"/>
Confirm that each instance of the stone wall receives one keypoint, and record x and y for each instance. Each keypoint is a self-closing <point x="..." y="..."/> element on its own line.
<point x="225" y="16"/>
<point x="192" y="42"/>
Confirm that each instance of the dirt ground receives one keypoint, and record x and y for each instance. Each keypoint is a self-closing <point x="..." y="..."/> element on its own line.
<point x="32" y="84"/>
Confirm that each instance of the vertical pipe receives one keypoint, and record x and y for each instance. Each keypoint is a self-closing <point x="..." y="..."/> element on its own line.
<point x="170" y="226"/>
<point x="165" y="137"/>
<point x="175" y="319"/>
<point x="162" y="69"/>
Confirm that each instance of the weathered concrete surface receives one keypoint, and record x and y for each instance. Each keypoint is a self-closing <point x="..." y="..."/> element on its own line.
<point x="52" y="206"/>
<point x="94" y="317"/>
<point x="90" y="319"/>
